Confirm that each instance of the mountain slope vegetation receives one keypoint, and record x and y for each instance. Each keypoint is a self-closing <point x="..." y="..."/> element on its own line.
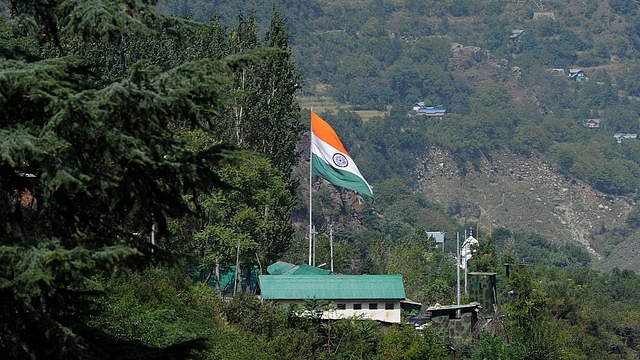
<point x="380" y="57"/>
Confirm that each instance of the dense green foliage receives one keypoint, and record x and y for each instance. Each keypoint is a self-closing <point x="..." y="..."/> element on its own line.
<point x="388" y="53"/>
<point x="116" y="120"/>
<point x="548" y="313"/>
<point x="110" y="127"/>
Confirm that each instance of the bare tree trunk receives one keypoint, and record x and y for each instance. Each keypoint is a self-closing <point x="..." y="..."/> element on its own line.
<point x="239" y="112"/>
<point x="238" y="278"/>
<point x="206" y="280"/>
<point x="218" y="277"/>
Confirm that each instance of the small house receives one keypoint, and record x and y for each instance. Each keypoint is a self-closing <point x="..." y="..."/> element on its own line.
<point x="557" y="72"/>
<point x="544" y="15"/>
<point x="438" y="236"/>
<point x="375" y="297"/>
<point x="591" y="123"/>
<point x="516" y="33"/>
<point x="483" y="291"/>
<point x="578" y="75"/>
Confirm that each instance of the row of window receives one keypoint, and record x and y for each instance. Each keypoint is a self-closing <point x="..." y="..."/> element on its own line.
<point x="372" y="306"/>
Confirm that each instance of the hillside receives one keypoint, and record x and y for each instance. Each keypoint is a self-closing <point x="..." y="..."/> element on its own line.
<point x="528" y="195"/>
<point x="524" y="193"/>
<point x="513" y="149"/>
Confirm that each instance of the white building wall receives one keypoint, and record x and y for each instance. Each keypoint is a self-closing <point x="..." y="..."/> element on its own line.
<point x="349" y="311"/>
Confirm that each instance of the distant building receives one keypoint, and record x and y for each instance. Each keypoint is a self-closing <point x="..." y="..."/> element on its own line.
<point x="516" y="33"/>
<point x="285" y="268"/>
<point x="420" y="108"/>
<point x="558" y="72"/>
<point x="466" y="253"/>
<point x="543" y="15"/>
<point x="483" y="291"/>
<point x="228" y="278"/>
<point x="591" y="123"/>
<point x="578" y="75"/>
<point x="437" y="235"/>
<point x="620" y="136"/>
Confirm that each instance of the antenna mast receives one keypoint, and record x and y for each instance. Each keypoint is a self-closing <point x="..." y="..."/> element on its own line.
<point x="538" y="3"/>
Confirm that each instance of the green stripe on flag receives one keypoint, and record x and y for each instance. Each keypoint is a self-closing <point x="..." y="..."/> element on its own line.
<point x="338" y="177"/>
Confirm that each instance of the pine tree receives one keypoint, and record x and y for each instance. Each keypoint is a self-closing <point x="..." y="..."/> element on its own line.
<point x="89" y="161"/>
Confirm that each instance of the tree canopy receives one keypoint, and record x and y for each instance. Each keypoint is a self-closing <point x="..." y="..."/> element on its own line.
<point x="95" y="153"/>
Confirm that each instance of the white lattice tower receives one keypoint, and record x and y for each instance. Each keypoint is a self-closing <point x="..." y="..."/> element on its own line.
<point x="538" y="3"/>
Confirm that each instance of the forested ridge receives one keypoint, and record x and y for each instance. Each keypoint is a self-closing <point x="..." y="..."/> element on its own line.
<point x="378" y="58"/>
<point x="148" y="146"/>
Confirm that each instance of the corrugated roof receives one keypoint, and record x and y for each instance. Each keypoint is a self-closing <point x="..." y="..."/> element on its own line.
<point x="285" y="268"/>
<point x="280" y="268"/>
<point x="305" y="269"/>
<point x="345" y="287"/>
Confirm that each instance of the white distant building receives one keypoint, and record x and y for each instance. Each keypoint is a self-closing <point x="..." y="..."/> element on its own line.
<point x="620" y="136"/>
<point x="420" y="108"/>
<point x="437" y="235"/>
<point x="516" y="33"/>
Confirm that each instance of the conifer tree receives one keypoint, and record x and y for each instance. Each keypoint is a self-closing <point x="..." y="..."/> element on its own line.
<point x="88" y="162"/>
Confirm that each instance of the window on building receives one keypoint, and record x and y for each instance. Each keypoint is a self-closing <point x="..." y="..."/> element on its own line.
<point x="342" y="306"/>
<point x="389" y="306"/>
<point x="373" y="306"/>
<point x="357" y="306"/>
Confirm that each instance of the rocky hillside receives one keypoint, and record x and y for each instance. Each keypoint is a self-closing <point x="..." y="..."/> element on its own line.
<point x="528" y="195"/>
<point x="523" y="194"/>
<point x="503" y="188"/>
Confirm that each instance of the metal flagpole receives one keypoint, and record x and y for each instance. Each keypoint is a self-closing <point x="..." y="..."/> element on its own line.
<point x="331" y="244"/>
<point x="458" y="264"/>
<point x="310" y="187"/>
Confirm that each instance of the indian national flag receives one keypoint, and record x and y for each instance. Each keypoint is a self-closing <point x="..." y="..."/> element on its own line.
<point x="331" y="161"/>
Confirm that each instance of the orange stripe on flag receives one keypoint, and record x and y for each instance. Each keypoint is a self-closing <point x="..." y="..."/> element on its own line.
<point x="325" y="133"/>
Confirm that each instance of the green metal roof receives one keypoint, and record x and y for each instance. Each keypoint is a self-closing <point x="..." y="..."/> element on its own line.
<point x="280" y="268"/>
<point x="338" y="287"/>
<point x="284" y="268"/>
<point x="305" y="269"/>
